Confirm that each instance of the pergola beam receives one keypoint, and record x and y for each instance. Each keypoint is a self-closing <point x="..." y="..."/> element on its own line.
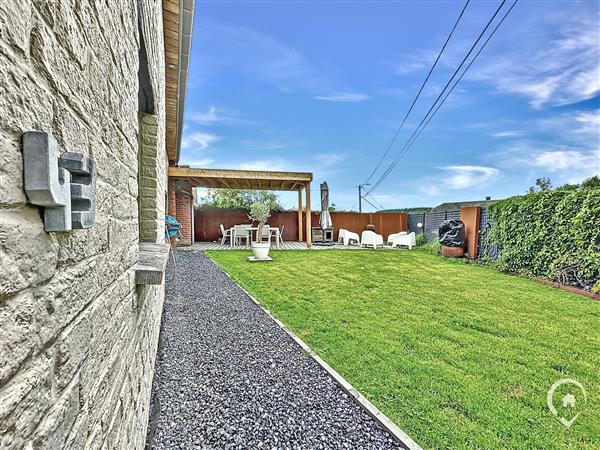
<point x="308" y="217"/>
<point x="250" y="179"/>
<point x="300" y="215"/>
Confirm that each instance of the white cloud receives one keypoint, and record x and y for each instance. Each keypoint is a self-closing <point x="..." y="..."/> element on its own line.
<point x="430" y="190"/>
<point x="462" y="177"/>
<point x="329" y="159"/>
<point x="198" y="140"/>
<point x="556" y="61"/>
<point x="561" y="160"/>
<point x="261" y="57"/>
<point x="211" y="116"/>
<point x="343" y="97"/>
<point x="503" y="134"/>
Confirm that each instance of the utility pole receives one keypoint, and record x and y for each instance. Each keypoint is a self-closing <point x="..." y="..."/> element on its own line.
<point x="360" y="186"/>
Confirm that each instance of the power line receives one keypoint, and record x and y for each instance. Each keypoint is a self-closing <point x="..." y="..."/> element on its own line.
<point x="379" y="205"/>
<point x="393" y="164"/>
<point x="418" y="93"/>
<point x="370" y="203"/>
<point x="411" y="142"/>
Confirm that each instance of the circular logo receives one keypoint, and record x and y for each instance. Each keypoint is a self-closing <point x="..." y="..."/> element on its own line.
<point x="568" y="400"/>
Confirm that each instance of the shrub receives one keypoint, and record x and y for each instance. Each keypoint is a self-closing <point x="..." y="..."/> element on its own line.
<point x="420" y="239"/>
<point x="434" y="247"/>
<point x="550" y="234"/>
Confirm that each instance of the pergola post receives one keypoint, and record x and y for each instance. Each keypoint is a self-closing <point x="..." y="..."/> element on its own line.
<point x="308" y="217"/>
<point x="300" y="215"/>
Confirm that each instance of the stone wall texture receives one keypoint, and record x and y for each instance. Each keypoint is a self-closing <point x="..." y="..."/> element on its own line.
<point x="77" y="337"/>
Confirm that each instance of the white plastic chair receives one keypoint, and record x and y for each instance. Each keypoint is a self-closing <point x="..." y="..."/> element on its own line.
<point x="278" y="236"/>
<point x="402" y="239"/>
<point x="226" y="234"/>
<point x="346" y="237"/>
<point x="371" y="239"/>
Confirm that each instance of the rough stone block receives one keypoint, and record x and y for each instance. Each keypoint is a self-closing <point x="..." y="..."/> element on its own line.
<point x="148" y="182"/>
<point x="15" y="21"/>
<point x="148" y="151"/>
<point x="71" y="350"/>
<point x="28" y="254"/>
<point x="11" y="172"/>
<point x="23" y="401"/>
<point x="53" y="431"/>
<point x="18" y="332"/>
<point x="150" y="203"/>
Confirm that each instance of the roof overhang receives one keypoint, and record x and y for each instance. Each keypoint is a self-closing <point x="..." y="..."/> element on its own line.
<point x="178" y="22"/>
<point x="242" y="179"/>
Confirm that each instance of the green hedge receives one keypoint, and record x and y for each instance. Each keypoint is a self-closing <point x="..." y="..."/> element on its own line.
<point x="550" y="234"/>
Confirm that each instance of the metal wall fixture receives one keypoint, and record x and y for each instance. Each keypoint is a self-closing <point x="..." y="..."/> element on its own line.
<point x="64" y="185"/>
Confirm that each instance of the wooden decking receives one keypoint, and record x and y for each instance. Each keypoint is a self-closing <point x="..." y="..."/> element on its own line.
<point x="291" y="245"/>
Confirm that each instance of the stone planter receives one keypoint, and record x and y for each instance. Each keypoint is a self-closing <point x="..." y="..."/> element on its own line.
<point x="261" y="249"/>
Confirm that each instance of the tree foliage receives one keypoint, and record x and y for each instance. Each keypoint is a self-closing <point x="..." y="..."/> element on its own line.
<point x="240" y="198"/>
<point x="541" y="184"/>
<point x="553" y="234"/>
<point x="259" y="213"/>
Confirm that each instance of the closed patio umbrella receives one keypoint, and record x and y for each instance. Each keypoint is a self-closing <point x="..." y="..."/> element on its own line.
<point x="325" y="218"/>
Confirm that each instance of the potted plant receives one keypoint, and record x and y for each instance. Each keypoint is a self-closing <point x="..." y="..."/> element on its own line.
<point x="260" y="213"/>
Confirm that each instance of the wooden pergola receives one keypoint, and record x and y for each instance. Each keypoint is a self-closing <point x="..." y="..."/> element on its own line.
<point x="252" y="179"/>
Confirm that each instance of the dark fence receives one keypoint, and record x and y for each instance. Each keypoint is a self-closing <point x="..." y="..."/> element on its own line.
<point x="430" y="222"/>
<point x="207" y="221"/>
<point x="486" y="249"/>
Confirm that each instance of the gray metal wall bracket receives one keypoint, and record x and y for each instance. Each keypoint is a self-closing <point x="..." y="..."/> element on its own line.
<point x="64" y="186"/>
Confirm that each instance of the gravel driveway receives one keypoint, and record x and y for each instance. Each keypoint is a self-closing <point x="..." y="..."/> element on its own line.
<point x="227" y="377"/>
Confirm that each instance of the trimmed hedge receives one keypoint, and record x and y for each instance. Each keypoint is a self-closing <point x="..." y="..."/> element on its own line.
<point x="550" y="234"/>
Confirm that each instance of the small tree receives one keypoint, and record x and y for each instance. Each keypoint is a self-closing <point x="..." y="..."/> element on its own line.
<point x="541" y="185"/>
<point x="260" y="213"/>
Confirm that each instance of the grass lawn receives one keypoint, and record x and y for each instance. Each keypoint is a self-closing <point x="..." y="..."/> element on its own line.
<point x="459" y="356"/>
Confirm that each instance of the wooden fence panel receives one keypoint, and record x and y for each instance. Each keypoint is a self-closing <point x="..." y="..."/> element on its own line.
<point x="206" y="222"/>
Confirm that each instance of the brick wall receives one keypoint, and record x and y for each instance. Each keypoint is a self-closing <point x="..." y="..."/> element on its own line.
<point x="77" y="337"/>
<point x="151" y="176"/>
<point x="184" y="213"/>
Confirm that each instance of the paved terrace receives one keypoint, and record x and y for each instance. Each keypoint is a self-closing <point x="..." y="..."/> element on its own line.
<point x="228" y="377"/>
<point x="288" y="245"/>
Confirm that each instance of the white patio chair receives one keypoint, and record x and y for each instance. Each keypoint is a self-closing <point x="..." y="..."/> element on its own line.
<point x="274" y="234"/>
<point x="371" y="239"/>
<point x="281" y="233"/>
<point x="347" y="237"/>
<point x="225" y="234"/>
<point x="266" y="233"/>
<point x="391" y="237"/>
<point x="240" y="233"/>
<point x="402" y="239"/>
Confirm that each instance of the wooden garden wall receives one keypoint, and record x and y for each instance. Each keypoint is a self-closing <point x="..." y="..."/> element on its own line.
<point x="206" y="222"/>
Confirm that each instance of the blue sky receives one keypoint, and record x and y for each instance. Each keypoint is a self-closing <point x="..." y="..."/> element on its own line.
<point x="322" y="87"/>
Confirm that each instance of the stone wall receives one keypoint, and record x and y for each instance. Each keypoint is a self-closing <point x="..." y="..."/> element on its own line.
<point x="77" y="336"/>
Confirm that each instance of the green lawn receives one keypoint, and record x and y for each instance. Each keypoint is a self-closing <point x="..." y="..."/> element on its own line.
<point x="459" y="356"/>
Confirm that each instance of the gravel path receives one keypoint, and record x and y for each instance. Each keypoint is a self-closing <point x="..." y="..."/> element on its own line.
<point x="228" y="377"/>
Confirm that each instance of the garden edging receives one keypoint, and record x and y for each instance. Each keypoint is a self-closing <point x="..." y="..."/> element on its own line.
<point x="385" y="422"/>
